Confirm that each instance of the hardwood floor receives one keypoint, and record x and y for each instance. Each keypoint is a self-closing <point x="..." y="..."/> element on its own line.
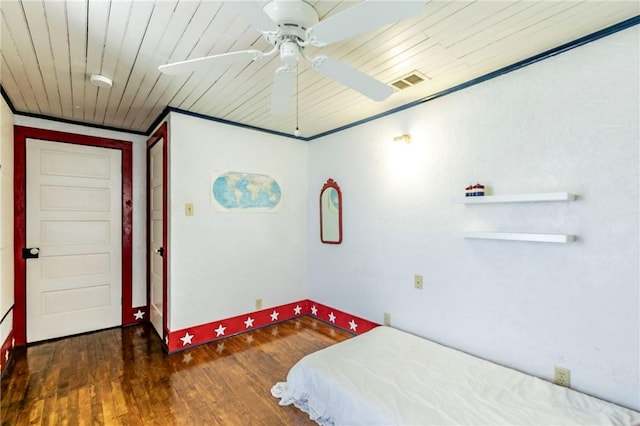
<point x="122" y="377"/>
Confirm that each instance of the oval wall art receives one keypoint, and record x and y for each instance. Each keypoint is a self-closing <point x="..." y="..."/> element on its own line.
<point x="241" y="191"/>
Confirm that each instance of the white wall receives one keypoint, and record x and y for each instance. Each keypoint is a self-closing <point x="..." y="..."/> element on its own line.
<point x="6" y="220"/>
<point x="569" y="123"/>
<point x="221" y="262"/>
<point x="139" y="151"/>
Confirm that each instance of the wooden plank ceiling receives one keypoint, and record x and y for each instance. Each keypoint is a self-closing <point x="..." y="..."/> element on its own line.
<point x="51" y="47"/>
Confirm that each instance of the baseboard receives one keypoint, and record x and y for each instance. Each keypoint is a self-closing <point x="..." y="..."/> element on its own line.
<point x="135" y="315"/>
<point x="177" y="340"/>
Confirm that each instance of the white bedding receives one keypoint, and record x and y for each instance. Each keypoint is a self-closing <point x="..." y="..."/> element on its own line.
<point x="389" y="377"/>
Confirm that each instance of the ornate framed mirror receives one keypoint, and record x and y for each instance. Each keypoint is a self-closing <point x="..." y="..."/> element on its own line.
<point x="331" y="213"/>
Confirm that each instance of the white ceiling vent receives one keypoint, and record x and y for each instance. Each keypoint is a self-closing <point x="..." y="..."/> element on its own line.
<point x="409" y="80"/>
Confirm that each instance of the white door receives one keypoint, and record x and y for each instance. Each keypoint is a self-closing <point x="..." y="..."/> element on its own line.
<point x="74" y="216"/>
<point x="156" y="249"/>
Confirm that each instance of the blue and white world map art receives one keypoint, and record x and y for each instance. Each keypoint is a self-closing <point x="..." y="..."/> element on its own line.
<point x="246" y="191"/>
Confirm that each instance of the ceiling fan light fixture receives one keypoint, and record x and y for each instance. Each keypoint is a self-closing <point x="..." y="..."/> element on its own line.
<point x="289" y="52"/>
<point x="100" y="80"/>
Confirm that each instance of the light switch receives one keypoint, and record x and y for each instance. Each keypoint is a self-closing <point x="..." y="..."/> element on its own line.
<point x="188" y="209"/>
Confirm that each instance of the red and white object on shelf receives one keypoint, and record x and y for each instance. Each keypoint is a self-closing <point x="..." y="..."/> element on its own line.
<point x="476" y="190"/>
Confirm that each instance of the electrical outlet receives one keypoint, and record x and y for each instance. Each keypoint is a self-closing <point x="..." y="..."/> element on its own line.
<point x="561" y="376"/>
<point x="417" y="282"/>
<point x="188" y="209"/>
<point x="258" y="304"/>
<point x="387" y="318"/>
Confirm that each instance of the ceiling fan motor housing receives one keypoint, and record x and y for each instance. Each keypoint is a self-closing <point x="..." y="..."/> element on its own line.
<point x="293" y="17"/>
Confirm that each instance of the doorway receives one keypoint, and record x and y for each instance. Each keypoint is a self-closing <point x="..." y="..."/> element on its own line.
<point x="157" y="225"/>
<point x="66" y="149"/>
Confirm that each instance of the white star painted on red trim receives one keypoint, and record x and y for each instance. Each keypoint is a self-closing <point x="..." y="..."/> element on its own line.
<point x="220" y="330"/>
<point x="139" y="315"/>
<point x="297" y="310"/>
<point x="13" y="342"/>
<point x="166" y="340"/>
<point x="6" y="356"/>
<point x="332" y="317"/>
<point x="314" y="310"/>
<point x="186" y="339"/>
<point x="352" y="325"/>
<point x="274" y="315"/>
<point x="248" y="323"/>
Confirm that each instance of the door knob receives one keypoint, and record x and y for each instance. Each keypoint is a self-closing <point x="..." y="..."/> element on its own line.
<point x="31" y="253"/>
<point x="160" y="251"/>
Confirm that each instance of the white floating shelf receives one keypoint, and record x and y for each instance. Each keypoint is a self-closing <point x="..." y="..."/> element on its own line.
<point x="517" y="198"/>
<point x="538" y="238"/>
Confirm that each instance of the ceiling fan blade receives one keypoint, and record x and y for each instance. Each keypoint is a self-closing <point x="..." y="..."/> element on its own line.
<point x="208" y="62"/>
<point x="352" y="78"/>
<point x="282" y="93"/>
<point x="253" y="13"/>
<point x="361" y="18"/>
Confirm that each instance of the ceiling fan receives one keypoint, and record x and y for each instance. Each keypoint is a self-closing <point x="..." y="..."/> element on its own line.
<point x="290" y="26"/>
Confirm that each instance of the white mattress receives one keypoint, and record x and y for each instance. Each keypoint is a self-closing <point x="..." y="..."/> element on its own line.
<point x="389" y="377"/>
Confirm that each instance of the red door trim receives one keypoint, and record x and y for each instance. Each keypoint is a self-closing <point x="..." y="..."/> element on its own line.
<point x="20" y="235"/>
<point x="159" y="135"/>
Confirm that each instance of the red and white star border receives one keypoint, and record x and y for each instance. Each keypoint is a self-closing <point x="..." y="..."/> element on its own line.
<point x="185" y="338"/>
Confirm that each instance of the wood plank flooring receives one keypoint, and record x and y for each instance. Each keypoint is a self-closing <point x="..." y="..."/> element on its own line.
<point x="121" y="376"/>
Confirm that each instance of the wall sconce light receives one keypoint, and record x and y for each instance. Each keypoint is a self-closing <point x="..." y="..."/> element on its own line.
<point x="403" y="138"/>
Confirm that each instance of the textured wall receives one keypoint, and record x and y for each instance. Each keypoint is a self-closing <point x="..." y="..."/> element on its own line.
<point x="569" y="123"/>
<point x="222" y="262"/>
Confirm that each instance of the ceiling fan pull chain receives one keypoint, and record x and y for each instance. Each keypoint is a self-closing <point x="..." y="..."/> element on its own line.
<point x="297" y="132"/>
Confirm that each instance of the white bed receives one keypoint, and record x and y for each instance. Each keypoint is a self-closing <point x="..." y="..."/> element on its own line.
<point x="389" y="377"/>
